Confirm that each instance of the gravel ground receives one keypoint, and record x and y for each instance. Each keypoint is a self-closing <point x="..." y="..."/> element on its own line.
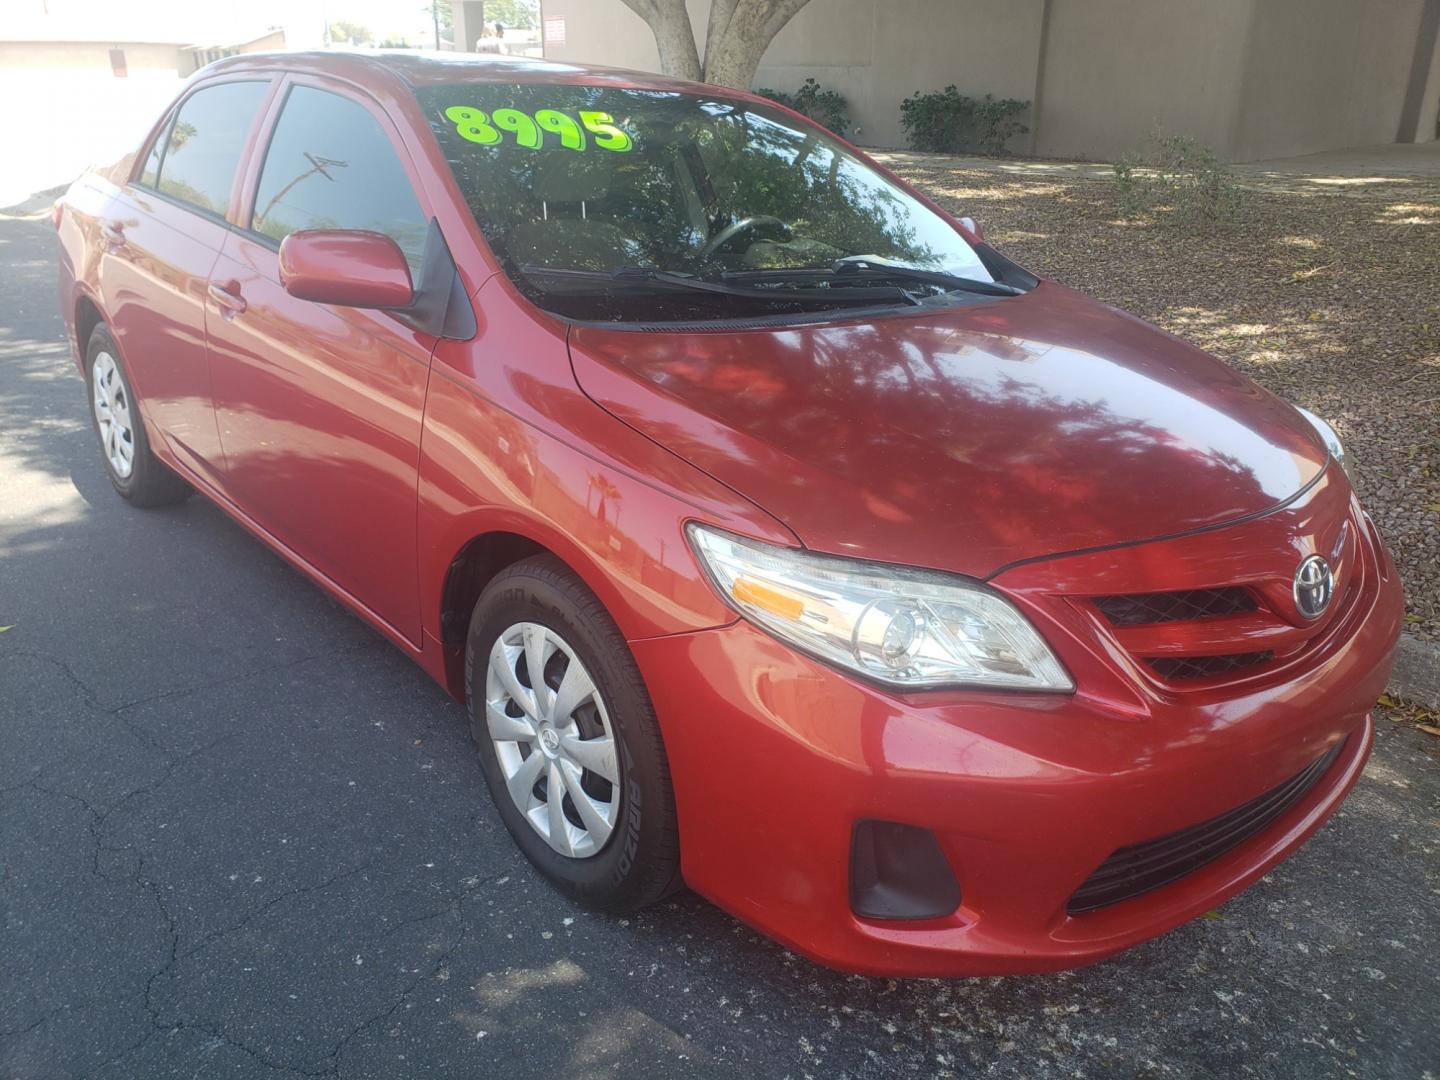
<point x="1330" y="300"/>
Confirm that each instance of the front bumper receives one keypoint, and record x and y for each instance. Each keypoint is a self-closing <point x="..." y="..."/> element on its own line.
<point x="775" y="757"/>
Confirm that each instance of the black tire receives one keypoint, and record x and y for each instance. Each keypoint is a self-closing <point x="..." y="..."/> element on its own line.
<point x="640" y="861"/>
<point x="151" y="482"/>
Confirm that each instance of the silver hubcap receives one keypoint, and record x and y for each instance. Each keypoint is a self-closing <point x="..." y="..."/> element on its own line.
<point x="112" y="415"/>
<point x="553" y="739"/>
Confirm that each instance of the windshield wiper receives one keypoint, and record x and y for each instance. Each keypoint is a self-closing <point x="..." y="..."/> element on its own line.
<point x="862" y="269"/>
<point x="645" y="275"/>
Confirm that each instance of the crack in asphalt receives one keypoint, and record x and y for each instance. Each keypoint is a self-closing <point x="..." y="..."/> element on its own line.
<point x="160" y="1023"/>
<point x="420" y="977"/>
<point x="173" y="759"/>
<point x="12" y="1033"/>
<point x="99" y="818"/>
<point x="453" y="906"/>
<point x="93" y="702"/>
<point x="268" y="669"/>
<point x="301" y="890"/>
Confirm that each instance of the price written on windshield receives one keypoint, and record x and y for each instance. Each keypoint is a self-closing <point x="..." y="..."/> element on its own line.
<point x="489" y="129"/>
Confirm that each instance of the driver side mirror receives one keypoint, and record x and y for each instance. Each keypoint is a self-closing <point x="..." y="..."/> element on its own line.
<point x="349" y="267"/>
<point x="973" y="228"/>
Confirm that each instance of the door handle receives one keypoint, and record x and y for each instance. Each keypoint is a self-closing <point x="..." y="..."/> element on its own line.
<point x="113" y="234"/>
<point x="229" y="298"/>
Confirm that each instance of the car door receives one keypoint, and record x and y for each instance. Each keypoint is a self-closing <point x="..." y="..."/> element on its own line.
<point x="161" y="236"/>
<point x="319" y="407"/>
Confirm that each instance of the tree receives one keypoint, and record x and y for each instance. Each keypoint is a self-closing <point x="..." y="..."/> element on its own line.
<point x="352" y="33"/>
<point x="442" y="15"/>
<point x="737" y="36"/>
<point x="513" y="14"/>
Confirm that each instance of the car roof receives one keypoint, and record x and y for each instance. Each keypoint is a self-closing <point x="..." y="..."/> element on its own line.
<point x="413" y="68"/>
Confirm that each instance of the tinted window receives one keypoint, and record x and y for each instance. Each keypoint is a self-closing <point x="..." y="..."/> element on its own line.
<point x="589" y="178"/>
<point x="205" y="144"/>
<point x="331" y="166"/>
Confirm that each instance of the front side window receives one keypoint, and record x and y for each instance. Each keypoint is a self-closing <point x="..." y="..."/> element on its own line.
<point x="572" y="182"/>
<point x="331" y="166"/>
<point x="205" y="142"/>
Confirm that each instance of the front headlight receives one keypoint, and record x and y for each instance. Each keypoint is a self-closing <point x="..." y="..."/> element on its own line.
<point x="907" y="628"/>
<point x="1328" y="436"/>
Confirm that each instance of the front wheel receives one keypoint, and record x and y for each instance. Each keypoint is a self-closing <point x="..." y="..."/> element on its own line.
<point x="568" y="740"/>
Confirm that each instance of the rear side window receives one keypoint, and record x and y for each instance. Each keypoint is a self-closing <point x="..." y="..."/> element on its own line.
<point x="331" y="166"/>
<point x="205" y="142"/>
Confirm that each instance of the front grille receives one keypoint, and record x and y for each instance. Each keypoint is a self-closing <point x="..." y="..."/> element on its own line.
<point x="1137" y="869"/>
<point x="1185" y="668"/>
<point x="1141" y="609"/>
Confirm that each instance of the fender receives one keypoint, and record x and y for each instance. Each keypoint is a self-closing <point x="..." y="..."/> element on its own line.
<point x="511" y="444"/>
<point x="80" y="253"/>
<point x="483" y="470"/>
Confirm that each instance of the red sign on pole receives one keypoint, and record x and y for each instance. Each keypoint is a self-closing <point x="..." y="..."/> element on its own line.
<point x="554" y="29"/>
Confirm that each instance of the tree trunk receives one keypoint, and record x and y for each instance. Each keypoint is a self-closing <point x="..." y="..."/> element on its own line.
<point x="736" y="38"/>
<point x="739" y="33"/>
<point x="674" y="37"/>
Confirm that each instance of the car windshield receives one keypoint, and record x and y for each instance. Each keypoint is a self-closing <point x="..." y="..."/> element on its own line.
<point x="600" y="200"/>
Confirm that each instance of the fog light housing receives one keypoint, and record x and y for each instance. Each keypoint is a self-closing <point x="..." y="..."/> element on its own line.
<point x="899" y="872"/>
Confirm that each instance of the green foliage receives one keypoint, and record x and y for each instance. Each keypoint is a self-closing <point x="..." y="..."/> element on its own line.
<point x="181" y="132"/>
<point x="828" y="108"/>
<point x="513" y="14"/>
<point x="441" y="10"/>
<point x="342" y="31"/>
<point x="1179" y="181"/>
<point x="949" y="122"/>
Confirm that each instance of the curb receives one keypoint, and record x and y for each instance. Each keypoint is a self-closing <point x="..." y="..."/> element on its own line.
<point x="1417" y="671"/>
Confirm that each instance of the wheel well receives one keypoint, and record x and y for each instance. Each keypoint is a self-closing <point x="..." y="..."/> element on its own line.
<point x="472" y="569"/>
<point x="87" y="317"/>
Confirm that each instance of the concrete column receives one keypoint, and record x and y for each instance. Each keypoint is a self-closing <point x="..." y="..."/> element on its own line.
<point x="1042" y="44"/>
<point x="1422" y="95"/>
<point x="468" y="20"/>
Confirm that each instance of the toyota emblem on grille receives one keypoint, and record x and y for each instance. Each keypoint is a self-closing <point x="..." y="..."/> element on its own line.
<point x="1314" y="585"/>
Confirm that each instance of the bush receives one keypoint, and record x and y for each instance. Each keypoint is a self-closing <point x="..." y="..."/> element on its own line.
<point x="1179" y="180"/>
<point x="948" y="122"/>
<point x="827" y="108"/>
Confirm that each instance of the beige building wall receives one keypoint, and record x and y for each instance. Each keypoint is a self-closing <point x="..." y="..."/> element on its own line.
<point x="879" y="52"/>
<point x="875" y="52"/>
<point x="1249" y="78"/>
<point x="609" y="33"/>
<point x="1117" y="69"/>
<point x="89" y="56"/>
<point x="70" y="78"/>
<point x="1322" y="74"/>
<point x="74" y="79"/>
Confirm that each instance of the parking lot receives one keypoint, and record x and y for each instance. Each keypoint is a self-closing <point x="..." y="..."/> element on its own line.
<point x="242" y="836"/>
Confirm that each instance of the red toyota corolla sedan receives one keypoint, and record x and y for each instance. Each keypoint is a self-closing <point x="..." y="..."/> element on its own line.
<point x="784" y="538"/>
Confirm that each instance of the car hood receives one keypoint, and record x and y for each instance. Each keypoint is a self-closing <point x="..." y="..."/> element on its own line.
<point x="965" y="439"/>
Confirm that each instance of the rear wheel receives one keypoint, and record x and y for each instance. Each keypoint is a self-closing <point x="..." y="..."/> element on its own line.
<point x="134" y="470"/>
<point x="568" y="740"/>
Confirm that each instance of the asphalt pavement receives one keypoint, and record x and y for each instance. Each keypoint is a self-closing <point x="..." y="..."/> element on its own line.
<point x="240" y="836"/>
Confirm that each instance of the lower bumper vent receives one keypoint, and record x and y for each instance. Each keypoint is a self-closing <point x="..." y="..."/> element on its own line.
<point x="1140" y="868"/>
<point x="899" y="872"/>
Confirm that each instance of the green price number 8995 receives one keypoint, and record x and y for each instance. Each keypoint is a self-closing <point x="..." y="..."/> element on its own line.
<point x="487" y="129"/>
